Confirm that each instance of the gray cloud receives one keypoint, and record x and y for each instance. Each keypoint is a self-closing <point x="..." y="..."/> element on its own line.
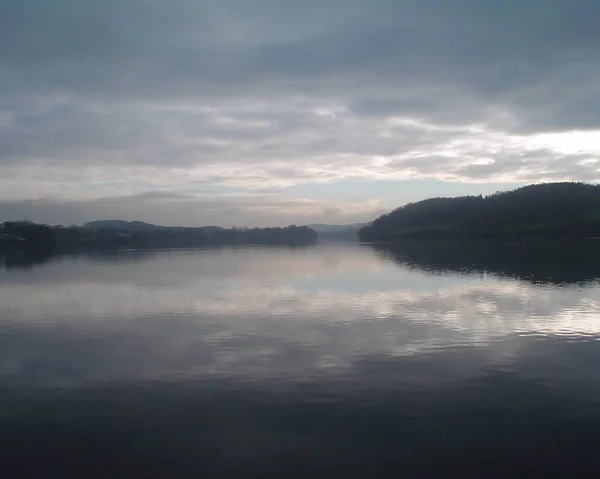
<point x="122" y="97"/>
<point x="186" y="210"/>
<point x="373" y="50"/>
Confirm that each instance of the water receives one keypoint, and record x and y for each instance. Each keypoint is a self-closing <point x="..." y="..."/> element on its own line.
<point x="326" y="361"/>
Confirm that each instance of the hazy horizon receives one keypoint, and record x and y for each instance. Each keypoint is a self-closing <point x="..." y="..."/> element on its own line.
<point x="282" y="112"/>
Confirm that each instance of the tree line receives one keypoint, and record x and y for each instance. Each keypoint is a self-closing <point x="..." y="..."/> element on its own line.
<point x="29" y="235"/>
<point x="555" y="210"/>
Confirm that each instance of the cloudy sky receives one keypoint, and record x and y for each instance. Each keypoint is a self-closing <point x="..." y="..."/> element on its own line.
<point x="264" y="112"/>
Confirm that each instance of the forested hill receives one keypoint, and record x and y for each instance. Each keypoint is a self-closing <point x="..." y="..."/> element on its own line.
<point x="114" y="234"/>
<point x="562" y="210"/>
<point x="123" y="225"/>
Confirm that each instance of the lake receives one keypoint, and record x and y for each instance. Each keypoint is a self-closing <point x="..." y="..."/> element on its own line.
<point x="337" y="360"/>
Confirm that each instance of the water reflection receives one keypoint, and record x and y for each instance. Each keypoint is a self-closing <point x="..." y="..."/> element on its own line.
<point x="555" y="262"/>
<point x="332" y="361"/>
<point x="24" y="259"/>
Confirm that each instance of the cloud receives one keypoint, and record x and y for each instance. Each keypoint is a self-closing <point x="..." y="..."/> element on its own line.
<point x="113" y="99"/>
<point x="238" y="209"/>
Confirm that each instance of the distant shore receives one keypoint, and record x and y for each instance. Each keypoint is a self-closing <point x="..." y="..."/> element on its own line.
<point x="545" y="211"/>
<point x="25" y="235"/>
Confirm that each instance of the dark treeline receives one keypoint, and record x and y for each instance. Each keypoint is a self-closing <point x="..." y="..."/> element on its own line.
<point x="25" y="235"/>
<point x="15" y="234"/>
<point x="553" y="210"/>
<point x="536" y="261"/>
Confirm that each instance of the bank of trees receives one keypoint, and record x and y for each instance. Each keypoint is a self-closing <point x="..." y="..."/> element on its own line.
<point x="563" y="210"/>
<point x="28" y="235"/>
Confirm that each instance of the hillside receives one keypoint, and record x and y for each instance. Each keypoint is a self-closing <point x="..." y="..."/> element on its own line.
<point x="325" y="228"/>
<point x="546" y="210"/>
<point x="25" y="235"/>
<point x="131" y="226"/>
<point x="122" y="225"/>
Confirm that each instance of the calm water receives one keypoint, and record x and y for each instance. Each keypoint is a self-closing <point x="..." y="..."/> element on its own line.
<point x="327" y="361"/>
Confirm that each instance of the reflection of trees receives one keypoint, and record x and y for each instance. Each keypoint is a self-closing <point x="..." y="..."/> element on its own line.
<point x="134" y="255"/>
<point x="25" y="259"/>
<point x="556" y="262"/>
<point x="24" y="244"/>
<point x="28" y="258"/>
<point x="114" y="256"/>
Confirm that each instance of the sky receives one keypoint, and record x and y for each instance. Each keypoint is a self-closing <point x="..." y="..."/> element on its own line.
<point x="273" y="112"/>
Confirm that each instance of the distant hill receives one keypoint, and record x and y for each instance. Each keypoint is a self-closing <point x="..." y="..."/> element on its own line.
<point x="545" y="210"/>
<point x="122" y="225"/>
<point x="131" y="226"/>
<point x="325" y="228"/>
<point x="117" y="234"/>
<point x="337" y="232"/>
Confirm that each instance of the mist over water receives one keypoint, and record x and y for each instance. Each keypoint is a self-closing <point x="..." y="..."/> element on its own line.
<point x="419" y="360"/>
